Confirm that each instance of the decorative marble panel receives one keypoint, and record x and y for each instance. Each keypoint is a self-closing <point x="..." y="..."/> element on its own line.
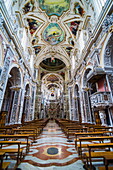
<point x="4" y="74"/>
<point x="110" y="78"/>
<point x="87" y="106"/>
<point x="1" y="21"/>
<point x="14" y="107"/>
<point x="108" y="22"/>
<point x="100" y="99"/>
<point x="108" y="52"/>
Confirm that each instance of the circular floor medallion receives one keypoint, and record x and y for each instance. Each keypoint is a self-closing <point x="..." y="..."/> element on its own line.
<point x="52" y="151"/>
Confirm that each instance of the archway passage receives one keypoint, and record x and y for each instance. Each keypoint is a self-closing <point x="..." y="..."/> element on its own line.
<point x="11" y="97"/>
<point x="52" y="90"/>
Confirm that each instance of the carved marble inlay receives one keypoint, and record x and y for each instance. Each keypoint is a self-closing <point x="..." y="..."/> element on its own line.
<point x="108" y="22"/>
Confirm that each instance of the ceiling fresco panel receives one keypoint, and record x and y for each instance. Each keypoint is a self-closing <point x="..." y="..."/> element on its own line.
<point x="53" y="34"/>
<point x="78" y="9"/>
<point x="54" y="7"/>
<point x="33" y="25"/>
<point x="74" y="27"/>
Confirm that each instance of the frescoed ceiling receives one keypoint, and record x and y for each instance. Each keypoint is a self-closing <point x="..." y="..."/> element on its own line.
<point x="53" y="34"/>
<point x="55" y="7"/>
<point x="53" y="26"/>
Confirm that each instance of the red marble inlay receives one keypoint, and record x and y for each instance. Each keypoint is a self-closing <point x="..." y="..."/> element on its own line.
<point x="42" y="152"/>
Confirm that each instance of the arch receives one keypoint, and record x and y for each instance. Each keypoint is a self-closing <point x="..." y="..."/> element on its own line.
<point x="84" y="77"/>
<point x="108" y="52"/>
<point x="11" y="102"/>
<point x="56" y="74"/>
<point x="57" y="84"/>
<point x="89" y="67"/>
<point x="59" y="81"/>
<point x="106" y="39"/>
<point x="21" y="75"/>
<point x="59" y="56"/>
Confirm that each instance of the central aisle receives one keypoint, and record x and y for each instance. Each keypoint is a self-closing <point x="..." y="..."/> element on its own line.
<point x="52" y="152"/>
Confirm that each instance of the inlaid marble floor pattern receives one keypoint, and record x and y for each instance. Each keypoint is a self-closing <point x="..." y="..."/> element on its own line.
<point x="52" y="152"/>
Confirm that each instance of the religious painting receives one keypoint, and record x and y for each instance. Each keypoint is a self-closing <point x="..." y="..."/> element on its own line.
<point x="54" y="7"/>
<point x="33" y="25"/>
<point x="28" y="7"/>
<point x="78" y="9"/>
<point x="52" y="78"/>
<point x="37" y="49"/>
<point x="53" y="34"/>
<point x="62" y="74"/>
<point x="68" y="50"/>
<point x="74" y="27"/>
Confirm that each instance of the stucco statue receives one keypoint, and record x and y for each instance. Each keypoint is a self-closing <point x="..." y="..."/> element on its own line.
<point x="102" y="115"/>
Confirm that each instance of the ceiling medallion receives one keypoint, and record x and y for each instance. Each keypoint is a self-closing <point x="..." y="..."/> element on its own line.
<point x="54" y="7"/>
<point x="53" y="34"/>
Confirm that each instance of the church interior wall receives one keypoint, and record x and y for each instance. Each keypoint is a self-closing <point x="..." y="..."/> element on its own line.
<point x="88" y="94"/>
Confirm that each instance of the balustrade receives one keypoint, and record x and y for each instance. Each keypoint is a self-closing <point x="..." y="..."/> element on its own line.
<point x="101" y="99"/>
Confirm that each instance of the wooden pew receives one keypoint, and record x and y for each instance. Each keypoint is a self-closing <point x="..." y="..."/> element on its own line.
<point x="80" y="146"/>
<point x="86" y="134"/>
<point x="3" y="131"/>
<point x="18" y="136"/>
<point x="3" y="165"/>
<point x="72" y="131"/>
<point x="31" y="132"/>
<point x="18" y="151"/>
<point x="102" y="128"/>
<point x="91" y="154"/>
<point x="108" y="159"/>
<point x="103" y="168"/>
<point x="38" y="128"/>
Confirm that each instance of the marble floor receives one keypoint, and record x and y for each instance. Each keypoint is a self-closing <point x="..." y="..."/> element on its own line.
<point x="52" y="152"/>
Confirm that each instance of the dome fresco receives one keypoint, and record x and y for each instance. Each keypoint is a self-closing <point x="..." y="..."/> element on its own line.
<point x="53" y="34"/>
<point x="55" y="7"/>
<point x="52" y="65"/>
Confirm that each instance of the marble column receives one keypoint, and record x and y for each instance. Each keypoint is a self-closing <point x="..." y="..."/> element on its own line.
<point x="15" y="105"/>
<point x="4" y="74"/>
